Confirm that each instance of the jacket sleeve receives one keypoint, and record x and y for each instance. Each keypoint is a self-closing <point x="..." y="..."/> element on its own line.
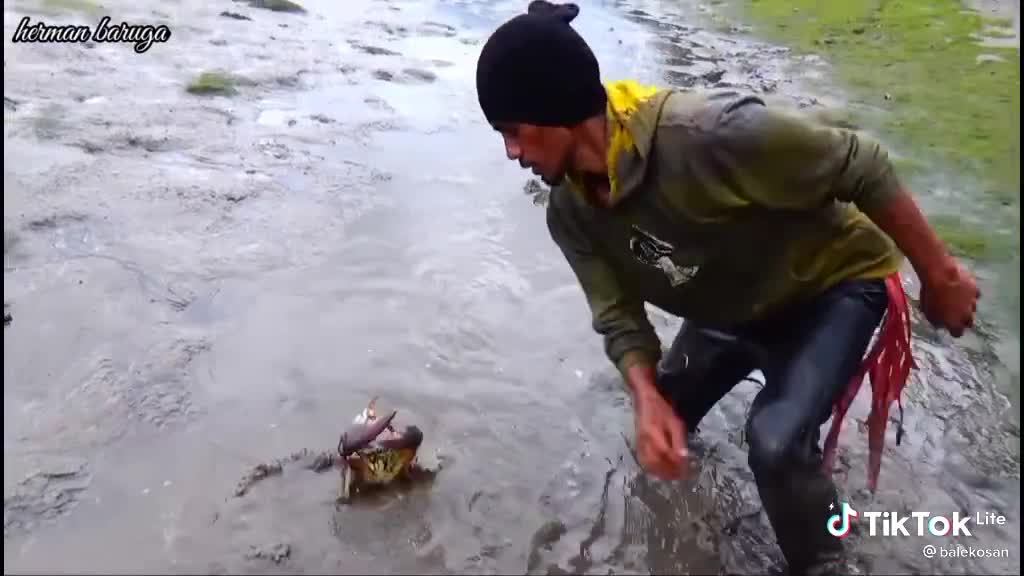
<point x="617" y="316"/>
<point x="753" y="154"/>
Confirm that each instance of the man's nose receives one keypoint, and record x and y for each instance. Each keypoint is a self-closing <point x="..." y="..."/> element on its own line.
<point x="512" y="149"/>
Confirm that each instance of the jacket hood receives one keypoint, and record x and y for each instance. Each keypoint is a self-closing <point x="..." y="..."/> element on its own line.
<point x="633" y="111"/>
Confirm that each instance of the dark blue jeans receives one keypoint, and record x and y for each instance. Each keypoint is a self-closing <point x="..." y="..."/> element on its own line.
<point x="808" y="352"/>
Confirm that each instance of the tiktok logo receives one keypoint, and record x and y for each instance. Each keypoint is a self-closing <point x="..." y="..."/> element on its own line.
<point x="839" y="524"/>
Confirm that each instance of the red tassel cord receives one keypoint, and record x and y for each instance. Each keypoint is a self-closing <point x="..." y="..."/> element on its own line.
<point x="888" y="366"/>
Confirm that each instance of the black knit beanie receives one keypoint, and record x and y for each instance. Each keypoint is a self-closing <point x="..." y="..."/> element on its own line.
<point x="536" y="69"/>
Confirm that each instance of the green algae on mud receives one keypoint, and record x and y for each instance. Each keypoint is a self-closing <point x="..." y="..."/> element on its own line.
<point x="947" y="99"/>
<point x="55" y="6"/>
<point x="963" y="239"/>
<point x="212" y="83"/>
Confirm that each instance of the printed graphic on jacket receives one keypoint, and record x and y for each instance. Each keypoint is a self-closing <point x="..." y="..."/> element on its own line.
<point x="654" y="252"/>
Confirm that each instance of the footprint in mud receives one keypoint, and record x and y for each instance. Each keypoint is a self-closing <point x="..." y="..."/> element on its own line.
<point x="131" y="142"/>
<point x="155" y="391"/>
<point x="289" y="80"/>
<point x="234" y="15"/>
<point x="645" y="19"/>
<point x="47" y="125"/>
<point x="89" y="147"/>
<point x="373" y="50"/>
<point x="676" y="51"/>
<point x="713" y="76"/>
<point x="55" y="221"/>
<point x="406" y="76"/>
<point x="273" y="148"/>
<point x="276" y="553"/>
<point x="429" y="28"/>
<point x="678" y="61"/>
<point x="420" y="75"/>
<point x="681" y="79"/>
<point x="389" y="29"/>
<point x="379" y="126"/>
<point x="53" y="489"/>
<point x="769" y="86"/>
<point x="228" y="117"/>
<point x="150" y="143"/>
<point x="14" y="250"/>
<point x="378" y="104"/>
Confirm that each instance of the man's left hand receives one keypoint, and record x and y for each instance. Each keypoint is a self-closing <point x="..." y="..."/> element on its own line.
<point x="949" y="298"/>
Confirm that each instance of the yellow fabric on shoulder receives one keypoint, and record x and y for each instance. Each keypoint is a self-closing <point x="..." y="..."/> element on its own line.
<point x="624" y="96"/>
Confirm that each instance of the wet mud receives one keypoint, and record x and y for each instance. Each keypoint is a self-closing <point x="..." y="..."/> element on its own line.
<point x="205" y="282"/>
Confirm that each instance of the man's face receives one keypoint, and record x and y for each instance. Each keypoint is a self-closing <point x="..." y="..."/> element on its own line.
<point x="546" y="150"/>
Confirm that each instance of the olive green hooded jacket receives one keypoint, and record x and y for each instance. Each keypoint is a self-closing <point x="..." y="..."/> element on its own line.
<point x="721" y="210"/>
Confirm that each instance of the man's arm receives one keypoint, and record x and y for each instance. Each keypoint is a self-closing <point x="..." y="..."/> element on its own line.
<point x="901" y="219"/>
<point x="949" y="292"/>
<point x="629" y="337"/>
<point x="630" y="343"/>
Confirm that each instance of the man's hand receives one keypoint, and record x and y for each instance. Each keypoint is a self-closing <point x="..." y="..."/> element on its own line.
<point x="949" y="294"/>
<point x="660" y="434"/>
<point x="660" y="437"/>
<point x="950" y="299"/>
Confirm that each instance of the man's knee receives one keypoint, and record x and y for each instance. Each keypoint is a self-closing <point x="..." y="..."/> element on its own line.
<point x="770" y="443"/>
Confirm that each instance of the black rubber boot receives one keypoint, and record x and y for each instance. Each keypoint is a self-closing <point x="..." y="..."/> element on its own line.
<point x="799" y="499"/>
<point x="797" y="504"/>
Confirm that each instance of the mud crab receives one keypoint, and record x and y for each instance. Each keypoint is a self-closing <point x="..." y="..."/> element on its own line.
<point x="372" y="454"/>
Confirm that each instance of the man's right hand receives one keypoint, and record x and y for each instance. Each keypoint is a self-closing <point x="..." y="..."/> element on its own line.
<point x="660" y="434"/>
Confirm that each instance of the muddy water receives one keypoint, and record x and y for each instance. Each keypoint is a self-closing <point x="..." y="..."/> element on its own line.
<point x="202" y="283"/>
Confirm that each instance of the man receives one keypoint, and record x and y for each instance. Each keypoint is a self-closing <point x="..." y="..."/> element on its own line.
<point x="777" y="240"/>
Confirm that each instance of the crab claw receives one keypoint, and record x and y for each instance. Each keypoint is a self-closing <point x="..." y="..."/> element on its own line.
<point x="369" y="414"/>
<point x="358" y="436"/>
<point x="410" y="439"/>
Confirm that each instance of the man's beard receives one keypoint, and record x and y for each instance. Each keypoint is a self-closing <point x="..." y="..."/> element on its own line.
<point x="554" y="180"/>
<point x="557" y="178"/>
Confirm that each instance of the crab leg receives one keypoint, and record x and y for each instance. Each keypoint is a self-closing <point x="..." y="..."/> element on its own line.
<point x="345" y="487"/>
